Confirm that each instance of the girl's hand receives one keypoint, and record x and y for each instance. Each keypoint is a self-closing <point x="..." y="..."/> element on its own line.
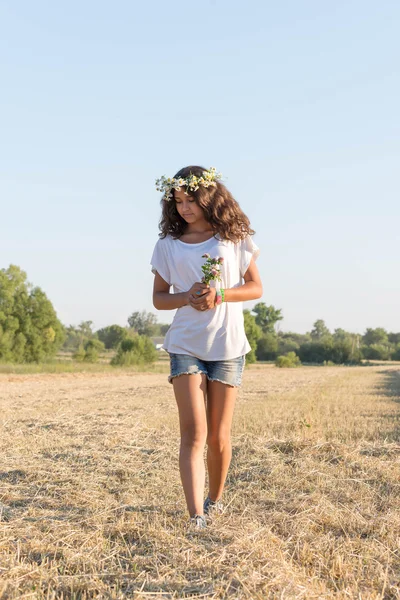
<point x="203" y="300"/>
<point x="197" y="290"/>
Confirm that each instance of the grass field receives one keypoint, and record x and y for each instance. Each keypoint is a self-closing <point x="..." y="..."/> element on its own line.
<point x="91" y="503"/>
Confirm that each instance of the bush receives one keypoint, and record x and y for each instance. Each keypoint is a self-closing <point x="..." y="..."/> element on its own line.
<point x="128" y="345"/>
<point x="79" y="355"/>
<point x="91" y="356"/>
<point x="289" y="360"/>
<point x="267" y="347"/>
<point x="376" y="352"/>
<point x="316" y="352"/>
<point x="253" y="334"/>
<point x="396" y="353"/>
<point x="112" y="335"/>
<point x="339" y="352"/>
<point x="345" y="352"/>
<point x="94" y="344"/>
<point x="286" y="345"/>
<point x="136" y="351"/>
<point x="89" y="352"/>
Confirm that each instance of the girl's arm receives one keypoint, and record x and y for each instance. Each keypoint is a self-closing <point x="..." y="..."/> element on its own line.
<point x="163" y="300"/>
<point x="251" y="289"/>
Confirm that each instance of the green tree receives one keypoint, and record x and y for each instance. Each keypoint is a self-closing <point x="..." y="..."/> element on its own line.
<point x="267" y="347"/>
<point x="136" y="351"/>
<point x="6" y="346"/>
<point x="253" y="334"/>
<point x="316" y="352"/>
<point x="78" y="336"/>
<point x="287" y="344"/>
<point x="375" y="336"/>
<point x="396" y="353"/>
<point x="344" y="351"/>
<point x="112" y="335"/>
<point x="145" y="323"/>
<point x="320" y="331"/>
<point x="164" y="328"/>
<point x="341" y="335"/>
<point x="18" y="348"/>
<point x="267" y="316"/>
<point x="29" y="327"/>
<point x="85" y="330"/>
<point x="291" y="336"/>
<point x="328" y="350"/>
<point x="377" y="352"/>
<point x="42" y="329"/>
<point x="73" y="338"/>
<point x="394" y="338"/>
<point x="346" y="347"/>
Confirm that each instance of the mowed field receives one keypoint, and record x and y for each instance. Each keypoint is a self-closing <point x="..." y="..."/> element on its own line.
<point x="92" y="507"/>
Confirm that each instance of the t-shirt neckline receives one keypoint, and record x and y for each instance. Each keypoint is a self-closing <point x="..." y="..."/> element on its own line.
<point x="213" y="237"/>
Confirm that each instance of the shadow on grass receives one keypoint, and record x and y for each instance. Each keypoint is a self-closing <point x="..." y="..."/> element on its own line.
<point x="390" y="386"/>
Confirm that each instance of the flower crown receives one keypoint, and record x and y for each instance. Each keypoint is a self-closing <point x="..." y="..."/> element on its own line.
<point x="192" y="183"/>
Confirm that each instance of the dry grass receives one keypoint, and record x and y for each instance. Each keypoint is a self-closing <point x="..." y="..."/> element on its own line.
<point x="92" y="507"/>
<point x="64" y="363"/>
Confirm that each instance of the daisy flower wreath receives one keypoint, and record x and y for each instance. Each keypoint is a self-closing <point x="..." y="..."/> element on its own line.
<point x="191" y="183"/>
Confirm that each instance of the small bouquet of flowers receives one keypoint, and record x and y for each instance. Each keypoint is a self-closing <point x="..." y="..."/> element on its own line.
<point x="211" y="269"/>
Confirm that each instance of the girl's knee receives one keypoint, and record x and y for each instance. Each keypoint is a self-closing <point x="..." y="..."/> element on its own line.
<point x="195" y="439"/>
<point x="218" y="442"/>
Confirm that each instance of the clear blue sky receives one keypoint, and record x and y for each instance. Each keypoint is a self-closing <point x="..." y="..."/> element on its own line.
<point x="296" y="102"/>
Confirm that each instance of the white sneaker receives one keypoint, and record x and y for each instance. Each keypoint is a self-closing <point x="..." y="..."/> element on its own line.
<point x="211" y="507"/>
<point x="198" y="522"/>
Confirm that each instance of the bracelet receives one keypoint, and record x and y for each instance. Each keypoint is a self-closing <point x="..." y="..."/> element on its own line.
<point x="220" y="297"/>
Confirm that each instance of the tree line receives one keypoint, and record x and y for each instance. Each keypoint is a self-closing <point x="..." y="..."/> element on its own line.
<point x="30" y="331"/>
<point x="319" y="345"/>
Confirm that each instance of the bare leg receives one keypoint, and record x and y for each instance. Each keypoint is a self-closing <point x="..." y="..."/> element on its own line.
<point x="190" y="394"/>
<point x="220" y="406"/>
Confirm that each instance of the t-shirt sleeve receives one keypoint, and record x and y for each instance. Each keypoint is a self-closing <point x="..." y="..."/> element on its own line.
<point x="248" y="250"/>
<point x="159" y="261"/>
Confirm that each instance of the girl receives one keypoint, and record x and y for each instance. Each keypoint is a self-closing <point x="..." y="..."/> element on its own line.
<point x="206" y="341"/>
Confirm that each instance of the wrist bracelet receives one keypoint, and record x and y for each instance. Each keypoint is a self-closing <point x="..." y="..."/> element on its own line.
<point x="220" y="296"/>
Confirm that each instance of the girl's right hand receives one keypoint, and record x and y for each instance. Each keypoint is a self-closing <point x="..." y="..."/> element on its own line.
<point x="197" y="290"/>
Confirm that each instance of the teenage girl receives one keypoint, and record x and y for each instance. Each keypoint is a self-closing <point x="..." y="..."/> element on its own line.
<point x="206" y="341"/>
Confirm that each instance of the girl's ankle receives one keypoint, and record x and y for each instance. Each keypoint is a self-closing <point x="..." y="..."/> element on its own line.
<point x="212" y="500"/>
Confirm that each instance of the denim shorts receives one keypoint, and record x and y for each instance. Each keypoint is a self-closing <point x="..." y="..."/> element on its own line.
<point x="226" y="371"/>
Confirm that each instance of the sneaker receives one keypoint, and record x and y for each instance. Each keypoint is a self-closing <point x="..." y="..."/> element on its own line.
<point x="211" y="507"/>
<point x="198" y="522"/>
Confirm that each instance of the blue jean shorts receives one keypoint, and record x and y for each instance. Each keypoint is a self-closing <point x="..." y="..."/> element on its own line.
<point x="226" y="371"/>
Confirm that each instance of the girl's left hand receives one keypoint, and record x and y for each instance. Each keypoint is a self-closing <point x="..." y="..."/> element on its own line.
<point x="205" y="301"/>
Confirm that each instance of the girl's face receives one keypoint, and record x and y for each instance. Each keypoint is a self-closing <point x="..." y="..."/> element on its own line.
<point x="188" y="208"/>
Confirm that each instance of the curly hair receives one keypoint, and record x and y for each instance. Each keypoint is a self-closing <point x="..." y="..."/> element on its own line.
<point x="220" y="209"/>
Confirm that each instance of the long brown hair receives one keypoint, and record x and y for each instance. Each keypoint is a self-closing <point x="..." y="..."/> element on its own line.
<point x="220" y="208"/>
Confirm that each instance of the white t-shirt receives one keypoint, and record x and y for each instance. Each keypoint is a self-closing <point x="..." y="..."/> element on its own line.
<point x="218" y="333"/>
